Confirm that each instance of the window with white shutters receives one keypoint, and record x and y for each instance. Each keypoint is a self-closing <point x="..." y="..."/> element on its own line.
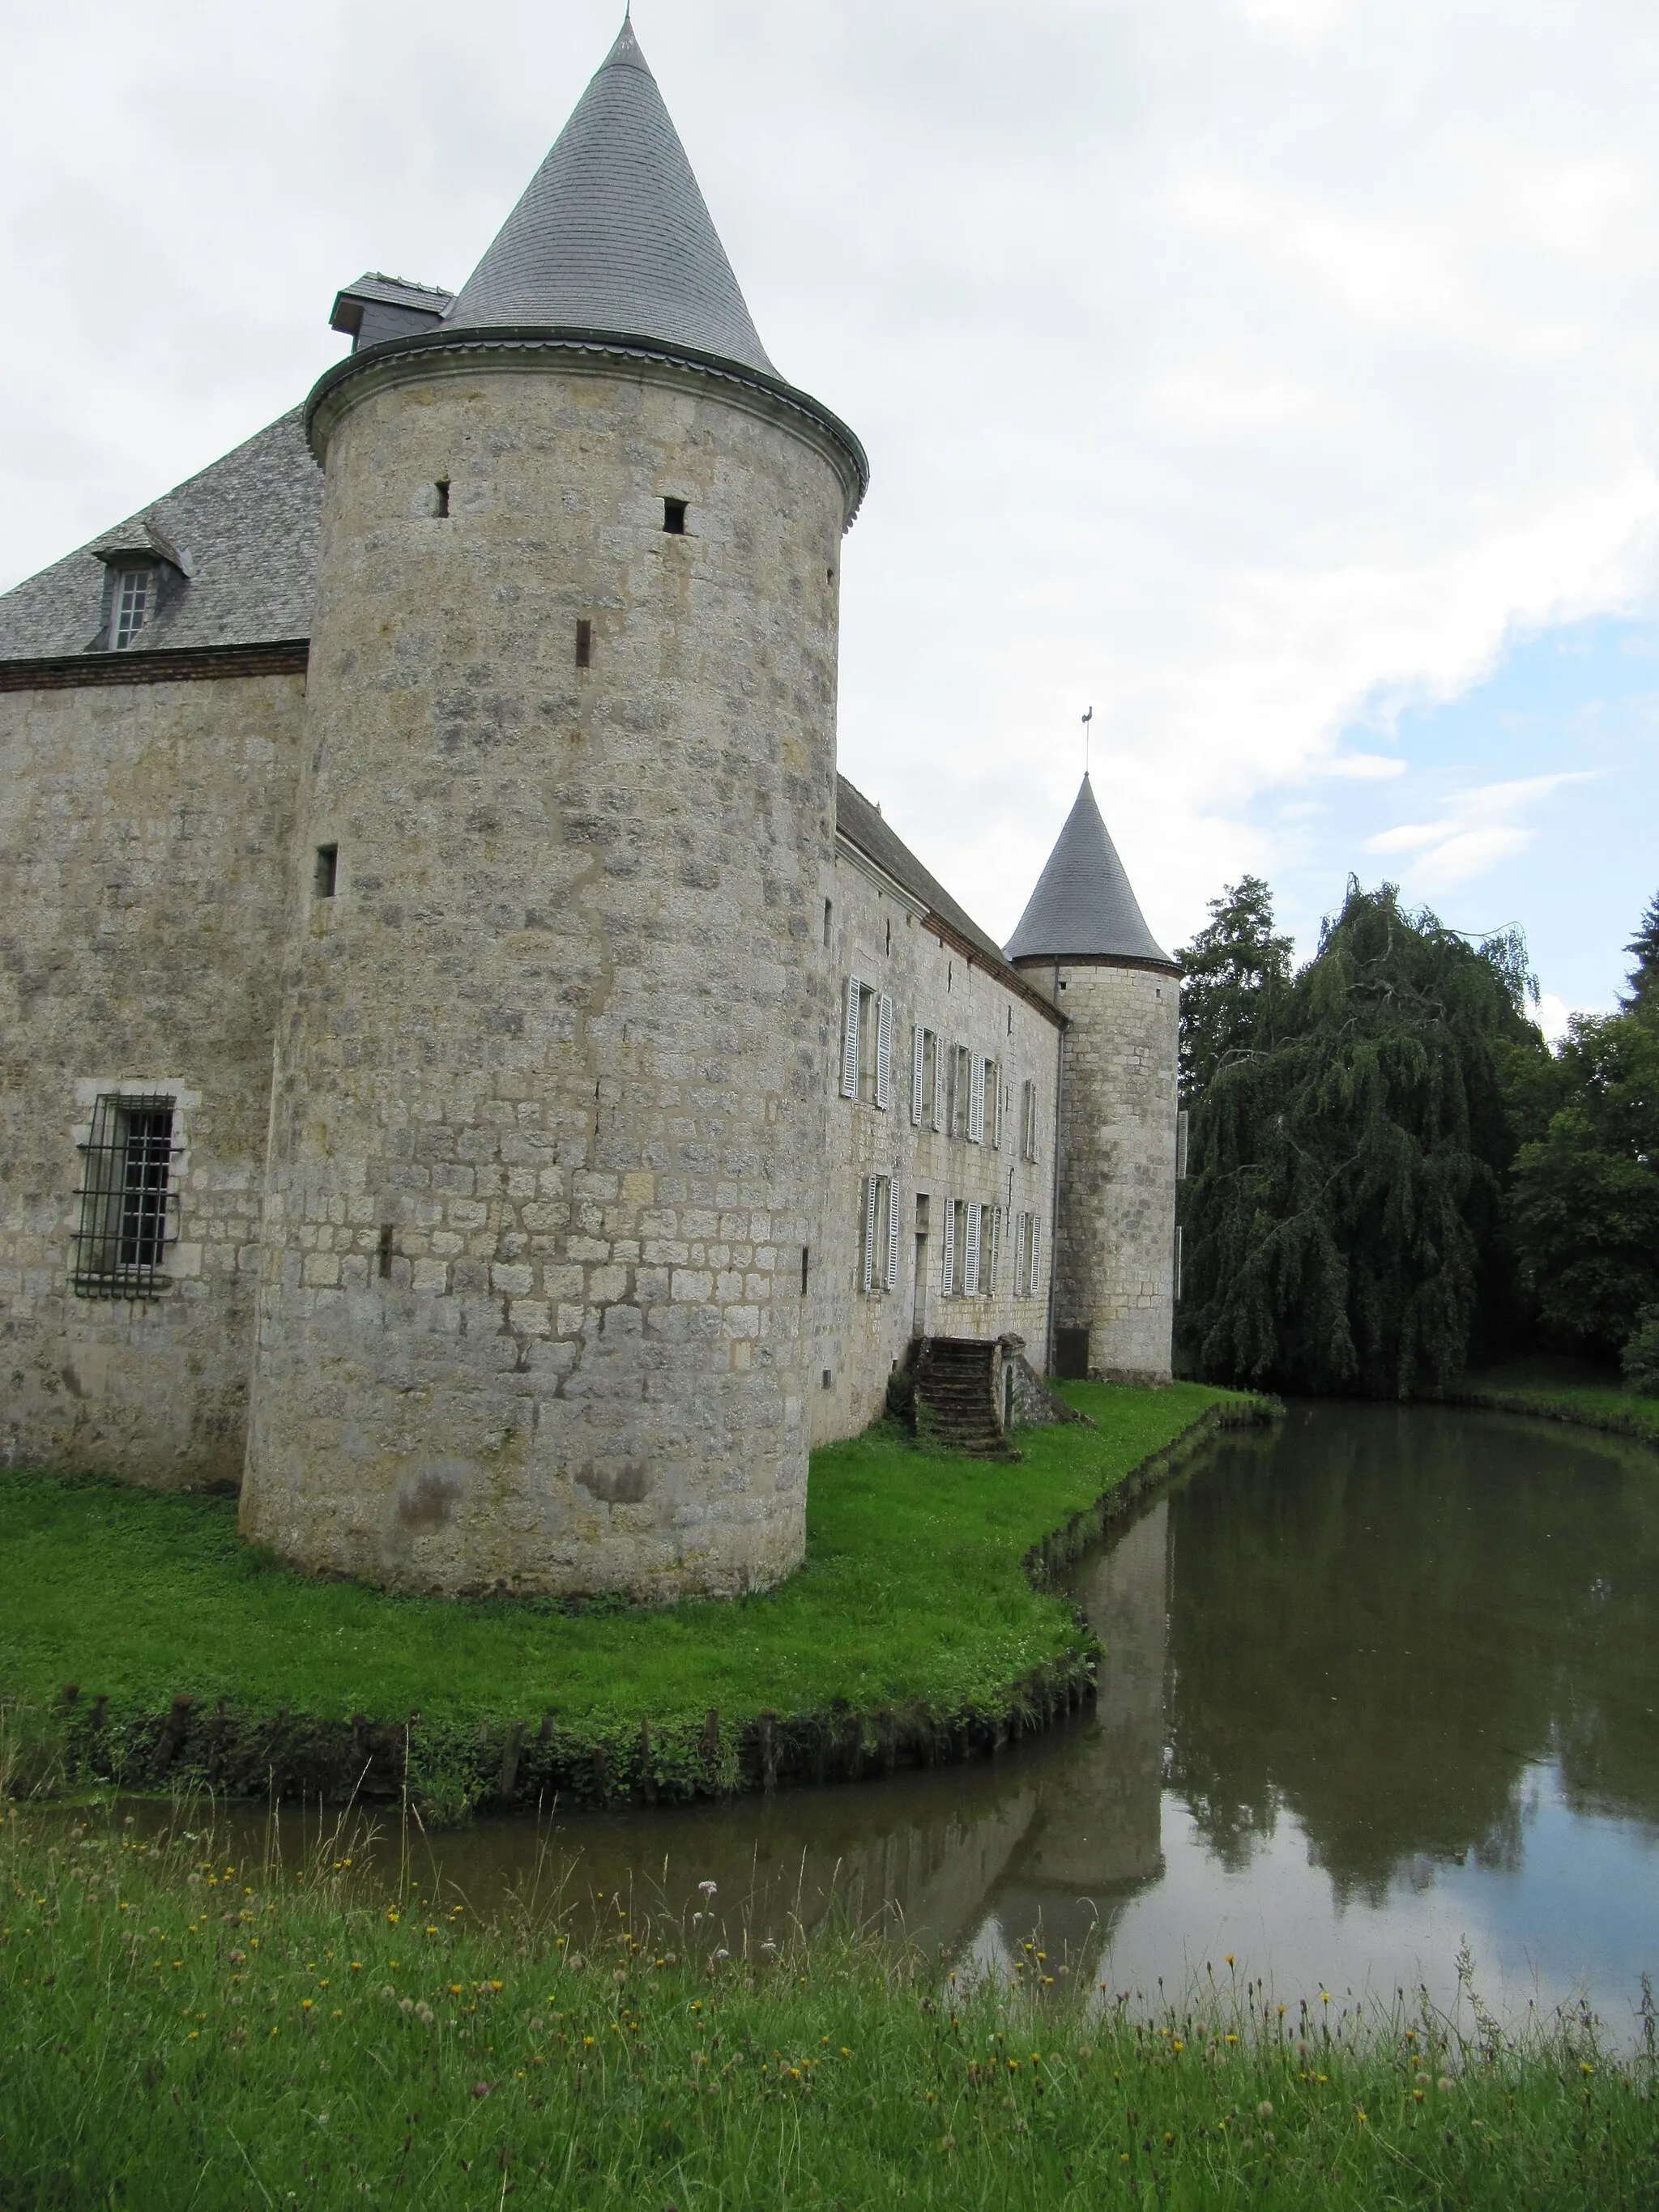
<point x="948" y="1278"/>
<point x="976" y="1099"/>
<point x="1177" y="1262"/>
<point x="870" y="1195"/>
<point x="996" y="1084"/>
<point x="918" y="1065"/>
<point x="892" y="1235"/>
<point x="938" y="1084"/>
<point x="1181" y="1145"/>
<point x="1037" y="1227"/>
<point x="849" y="1039"/>
<point x="970" y="1256"/>
<point x="884" y="1050"/>
<point x="1028" y="1121"/>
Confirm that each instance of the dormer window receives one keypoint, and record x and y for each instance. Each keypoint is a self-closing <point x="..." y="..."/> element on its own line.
<point x="133" y="588"/>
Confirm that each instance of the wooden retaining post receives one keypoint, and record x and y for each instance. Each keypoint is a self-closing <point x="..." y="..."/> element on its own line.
<point x="509" y="1773"/>
<point x="171" y="1741"/>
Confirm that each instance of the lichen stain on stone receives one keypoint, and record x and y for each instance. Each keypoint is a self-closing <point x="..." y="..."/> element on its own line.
<point x="428" y="1504"/>
<point x="625" y="1483"/>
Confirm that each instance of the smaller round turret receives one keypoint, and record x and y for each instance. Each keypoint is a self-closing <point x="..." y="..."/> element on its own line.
<point x="1083" y="942"/>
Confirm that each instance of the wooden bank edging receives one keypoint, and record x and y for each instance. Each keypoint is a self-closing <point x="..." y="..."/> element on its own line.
<point x="449" y="1769"/>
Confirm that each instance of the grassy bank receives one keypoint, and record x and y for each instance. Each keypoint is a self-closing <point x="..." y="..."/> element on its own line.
<point x="1559" y="1391"/>
<point x="916" y="1631"/>
<point x="181" y="2029"/>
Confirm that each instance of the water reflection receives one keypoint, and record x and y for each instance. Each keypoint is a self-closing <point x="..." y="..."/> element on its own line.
<point x="1377" y="1682"/>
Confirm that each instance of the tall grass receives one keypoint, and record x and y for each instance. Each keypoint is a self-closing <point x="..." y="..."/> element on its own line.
<point x="182" y="2029"/>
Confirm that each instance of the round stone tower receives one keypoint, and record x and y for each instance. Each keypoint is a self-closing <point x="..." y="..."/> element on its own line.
<point x="548" y="1116"/>
<point x="1084" y="943"/>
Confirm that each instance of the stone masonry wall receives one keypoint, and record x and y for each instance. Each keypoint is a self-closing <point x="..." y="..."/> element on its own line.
<point x="879" y="934"/>
<point x="549" y="1127"/>
<point x="145" y="830"/>
<point x="1114" y="1259"/>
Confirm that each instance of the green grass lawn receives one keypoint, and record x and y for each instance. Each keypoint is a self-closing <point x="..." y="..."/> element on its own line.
<point x="183" y="2030"/>
<point x="1564" y="1390"/>
<point x="913" y="1596"/>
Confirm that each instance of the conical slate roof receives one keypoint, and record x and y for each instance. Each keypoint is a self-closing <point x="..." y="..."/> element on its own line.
<point x="613" y="234"/>
<point x="1083" y="907"/>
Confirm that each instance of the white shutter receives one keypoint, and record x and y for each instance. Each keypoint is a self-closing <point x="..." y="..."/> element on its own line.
<point x="884" y="1050"/>
<point x="948" y="1278"/>
<point x="996" y="1249"/>
<point x="869" y="1230"/>
<point x="1178" y="1260"/>
<point x="849" y="1043"/>
<point x="939" y="1082"/>
<point x="1022" y="1246"/>
<point x="970" y="1254"/>
<point x="996" y="1105"/>
<point x="893" y="1234"/>
<point x="1181" y="1145"/>
<point x="918" y="1060"/>
<point x="976" y="1099"/>
<point x="1036" y="1230"/>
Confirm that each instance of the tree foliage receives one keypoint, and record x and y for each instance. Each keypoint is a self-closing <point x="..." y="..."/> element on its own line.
<point x="1349" y="1144"/>
<point x="1586" y="1200"/>
<point x="1234" y="975"/>
<point x="1642" y="999"/>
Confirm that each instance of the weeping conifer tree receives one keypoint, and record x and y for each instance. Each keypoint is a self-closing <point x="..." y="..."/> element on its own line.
<point x="1347" y="1168"/>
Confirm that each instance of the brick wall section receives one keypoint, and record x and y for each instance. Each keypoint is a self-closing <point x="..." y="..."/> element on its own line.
<point x="858" y="1335"/>
<point x="1114" y="1259"/>
<point x="563" y="1028"/>
<point x="145" y="833"/>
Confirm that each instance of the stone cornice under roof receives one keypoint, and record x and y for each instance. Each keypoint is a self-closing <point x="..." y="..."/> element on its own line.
<point x="407" y="358"/>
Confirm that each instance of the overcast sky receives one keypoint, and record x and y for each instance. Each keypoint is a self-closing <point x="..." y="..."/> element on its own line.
<point x="1278" y="377"/>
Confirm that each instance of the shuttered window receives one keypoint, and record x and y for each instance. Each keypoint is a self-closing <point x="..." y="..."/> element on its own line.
<point x="849" y="1040"/>
<point x="970" y="1256"/>
<point x="1181" y="1145"/>
<point x="892" y="1235"/>
<point x="948" y="1281"/>
<point x="976" y="1099"/>
<point x="869" y="1195"/>
<point x="884" y="1051"/>
<point x="996" y="1104"/>
<point x="918" y="1063"/>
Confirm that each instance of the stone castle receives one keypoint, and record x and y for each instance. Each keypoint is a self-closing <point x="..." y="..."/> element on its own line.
<point x="475" y="1078"/>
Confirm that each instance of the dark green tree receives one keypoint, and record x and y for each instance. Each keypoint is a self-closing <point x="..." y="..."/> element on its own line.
<point x="1348" y="1157"/>
<point x="1586" y="1189"/>
<point x="1233" y="973"/>
<point x="1642" y="999"/>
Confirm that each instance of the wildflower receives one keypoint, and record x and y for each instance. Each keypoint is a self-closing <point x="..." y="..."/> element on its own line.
<point x="239" y="1957"/>
<point x="709" y="1888"/>
<point x="337" y="2016"/>
<point x="425" y="2014"/>
<point x="482" y="2089"/>
<point x="1443" y="2083"/>
<point x="1264" y="2111"/>
<point x="722" y="1953"/>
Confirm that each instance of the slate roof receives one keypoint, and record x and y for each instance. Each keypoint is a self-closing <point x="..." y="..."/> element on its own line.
<point x="613" y="234"/>
<point x="1083" y="906"/>
<point x="859" y="822"/>
<point x="247" y="527"/>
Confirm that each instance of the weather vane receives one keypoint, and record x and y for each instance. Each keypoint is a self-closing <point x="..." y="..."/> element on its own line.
<point x="1087" y="718"/>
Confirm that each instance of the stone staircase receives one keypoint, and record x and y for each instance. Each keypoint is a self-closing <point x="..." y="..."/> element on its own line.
<point x="956" y="1401"/>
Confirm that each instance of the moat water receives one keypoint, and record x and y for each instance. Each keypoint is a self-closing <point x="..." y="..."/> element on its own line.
<point x="1381" y="1687"/>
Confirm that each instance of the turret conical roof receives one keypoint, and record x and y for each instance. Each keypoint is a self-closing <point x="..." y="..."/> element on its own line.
<point x="613" y="234"/>
<point x="1083" y="907"/>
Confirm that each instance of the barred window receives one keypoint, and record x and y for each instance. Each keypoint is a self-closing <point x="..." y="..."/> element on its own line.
<point x="125" y="1188"/>
<point x="131" y="603"/>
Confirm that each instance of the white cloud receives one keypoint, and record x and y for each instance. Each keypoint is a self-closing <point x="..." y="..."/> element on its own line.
<point x="1551" y="1015"/>
<point x="1482" y="827"/>
<point x="1233" y="365"/>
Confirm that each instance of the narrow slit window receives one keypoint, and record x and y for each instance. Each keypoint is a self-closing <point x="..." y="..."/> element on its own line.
<point x="828" y="910"/>
<point x="388" y="1239"/>
<point x="131" y="604"/>
<point x="442" y="489"/>
<point x="673" y="517"/>
<point x="583" y="643"/>
<point x="328" y="870"/>
<point x="126" y="1190"/>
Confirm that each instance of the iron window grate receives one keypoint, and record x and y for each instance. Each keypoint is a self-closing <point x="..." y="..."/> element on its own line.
<point x="126" y="1190"/>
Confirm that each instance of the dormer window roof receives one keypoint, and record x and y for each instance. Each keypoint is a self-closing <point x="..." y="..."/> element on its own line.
<point x="138" y="557"/>
<point x="377" y="308"/>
